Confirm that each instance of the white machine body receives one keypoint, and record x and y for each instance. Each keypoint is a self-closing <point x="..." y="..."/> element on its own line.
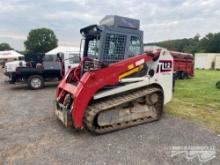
<point x="163" y="77"/>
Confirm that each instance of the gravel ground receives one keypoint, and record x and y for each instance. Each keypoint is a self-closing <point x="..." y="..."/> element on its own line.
<point x="31" y="134"/>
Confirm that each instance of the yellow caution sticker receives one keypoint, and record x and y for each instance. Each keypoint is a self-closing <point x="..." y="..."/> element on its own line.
<point x="128" y="73"/>
<point x="131" y="66"/>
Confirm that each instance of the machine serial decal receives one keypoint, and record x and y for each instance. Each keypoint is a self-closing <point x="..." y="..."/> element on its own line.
<point x="166" y="65"/>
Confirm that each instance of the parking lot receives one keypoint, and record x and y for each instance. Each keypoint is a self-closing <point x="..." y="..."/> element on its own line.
<point x="31" y="134"/>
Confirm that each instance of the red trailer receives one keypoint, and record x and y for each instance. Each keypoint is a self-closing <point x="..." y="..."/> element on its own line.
<point x="183" y="65"/>
<point x="183" y="62"/>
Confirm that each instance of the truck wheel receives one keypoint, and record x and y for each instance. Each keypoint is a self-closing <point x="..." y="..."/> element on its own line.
<point x="178" y="75"/>
<point x="186" y="76"/>
<point x="183" y="75"/>
<point x="35" y="82"/>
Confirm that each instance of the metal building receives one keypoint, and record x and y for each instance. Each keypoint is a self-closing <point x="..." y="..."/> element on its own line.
<point x="205" y="60"/>
<point x="217" y="62"/>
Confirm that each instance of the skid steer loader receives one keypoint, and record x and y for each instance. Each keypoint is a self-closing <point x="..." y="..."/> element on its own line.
<point x="116" y="85"/>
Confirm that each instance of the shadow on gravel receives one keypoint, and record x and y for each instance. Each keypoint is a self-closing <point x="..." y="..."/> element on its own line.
<point x="25" y="87"/>
<point x="70" y="131"/>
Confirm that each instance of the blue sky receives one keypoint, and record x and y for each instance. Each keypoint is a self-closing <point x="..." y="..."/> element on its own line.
<point x="160" y="19"/>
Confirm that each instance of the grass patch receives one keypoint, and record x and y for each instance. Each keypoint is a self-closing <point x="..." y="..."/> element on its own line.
<point x="198" y="99"/>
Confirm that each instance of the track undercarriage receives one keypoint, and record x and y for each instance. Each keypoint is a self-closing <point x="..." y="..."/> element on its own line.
<point x="123" y="111"/>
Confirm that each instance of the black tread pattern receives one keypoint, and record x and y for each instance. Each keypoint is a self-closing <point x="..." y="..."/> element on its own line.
<point x="107" y="104"/>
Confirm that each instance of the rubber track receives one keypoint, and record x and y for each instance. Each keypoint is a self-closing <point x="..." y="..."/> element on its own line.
<point x="109" y="103"/>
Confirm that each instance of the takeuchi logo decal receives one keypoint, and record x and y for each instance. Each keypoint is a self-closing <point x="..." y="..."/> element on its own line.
<point x="202" y="153"/>
<point x="166" y="65"/>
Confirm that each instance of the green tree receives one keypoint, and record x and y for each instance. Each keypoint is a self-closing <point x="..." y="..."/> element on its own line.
<point x="40" y="40"/>
<point x="188" y="45"/>
<point x="210" y="43"/>
<point x="192" y="45"/>
<point x="5" y="46"/>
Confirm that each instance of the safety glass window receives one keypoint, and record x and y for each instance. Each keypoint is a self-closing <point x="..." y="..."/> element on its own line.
<point x="135" y="46"/>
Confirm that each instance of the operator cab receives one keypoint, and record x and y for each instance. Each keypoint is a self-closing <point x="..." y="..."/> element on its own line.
<point x="115" y="38"/>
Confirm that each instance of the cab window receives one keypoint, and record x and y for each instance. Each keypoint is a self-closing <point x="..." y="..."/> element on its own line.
<point x="134" y="46"/>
